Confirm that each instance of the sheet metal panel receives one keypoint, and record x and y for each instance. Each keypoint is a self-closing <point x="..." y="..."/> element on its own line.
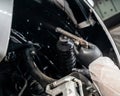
<point x="6" y="9"/>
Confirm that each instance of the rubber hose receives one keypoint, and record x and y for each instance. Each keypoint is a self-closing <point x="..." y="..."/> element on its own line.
<point x="35" y="71"/>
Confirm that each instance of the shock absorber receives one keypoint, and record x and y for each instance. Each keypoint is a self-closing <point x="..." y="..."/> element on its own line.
<point x="66" y="55"/>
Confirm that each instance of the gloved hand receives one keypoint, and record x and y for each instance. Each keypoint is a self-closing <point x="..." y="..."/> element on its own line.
<point x="88" y="55"/>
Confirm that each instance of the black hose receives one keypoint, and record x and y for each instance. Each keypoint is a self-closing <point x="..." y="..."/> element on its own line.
<point x="34" y="70"/>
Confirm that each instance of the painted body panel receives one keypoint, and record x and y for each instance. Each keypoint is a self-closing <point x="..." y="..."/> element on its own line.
<point x="6" y="9"/>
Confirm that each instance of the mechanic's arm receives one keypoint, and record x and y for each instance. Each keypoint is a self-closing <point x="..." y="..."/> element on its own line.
<point x="104" y="73"/>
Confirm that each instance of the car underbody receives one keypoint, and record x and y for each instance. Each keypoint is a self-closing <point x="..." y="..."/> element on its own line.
<point x="41" y="58"/>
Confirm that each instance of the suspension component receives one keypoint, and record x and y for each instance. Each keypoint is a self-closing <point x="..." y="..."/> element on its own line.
<point x="67" y="59"/>
<point x="67" y="86"/>
<point x="77" y="39"/>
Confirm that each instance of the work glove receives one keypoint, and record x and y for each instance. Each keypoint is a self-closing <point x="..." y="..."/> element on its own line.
<point x="88" y="55"/>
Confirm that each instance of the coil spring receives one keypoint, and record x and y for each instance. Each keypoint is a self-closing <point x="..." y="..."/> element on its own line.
<point x="66" y="55"/>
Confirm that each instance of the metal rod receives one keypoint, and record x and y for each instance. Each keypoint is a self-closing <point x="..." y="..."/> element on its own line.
<point x="81" y="41"/>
